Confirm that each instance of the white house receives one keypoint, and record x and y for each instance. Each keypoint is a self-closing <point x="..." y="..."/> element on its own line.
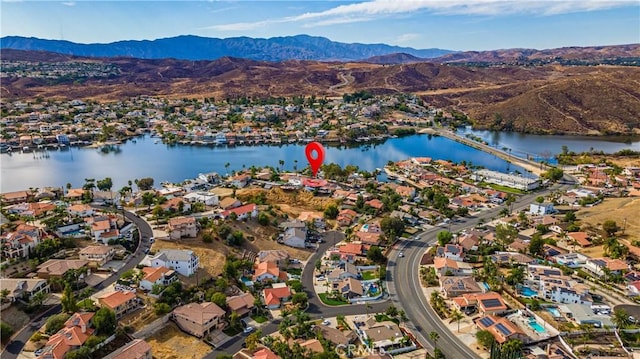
<point x="159" y="275"/>
<point x="184" y="262"/>
<point x="599" y="266"/>
<point x="633" y="288"/>
<point x="243" y="212"/>
<point x="209" y="199"/>
<point x="97" y="254"/>
<point x="22" y="288"/>
<point x="540" y="209"/>
<point x="295" y="237"/>
<point x="81" y="210"/>
<point x="182" y="227"/>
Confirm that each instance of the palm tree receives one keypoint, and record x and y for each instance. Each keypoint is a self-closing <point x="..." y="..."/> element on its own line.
<point x="457" y="316"/>
<point x="295" y="165"/>
<point x="281" y="162"/>
<point x="434" y="336"/>
<point x="226" y="166"/>
<point x="620" y="318"/>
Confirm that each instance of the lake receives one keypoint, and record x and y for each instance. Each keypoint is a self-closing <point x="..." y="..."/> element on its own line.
<point x="145" y="158"/>
<point x="523" y="145"/>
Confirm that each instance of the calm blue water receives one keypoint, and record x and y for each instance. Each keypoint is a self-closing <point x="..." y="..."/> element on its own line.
<point x="528" y="292"/>
<point x="144" y="158"/>
<point x="554" y="311"/>
<point x="536" y="326"/>
<point x="545" y="146"/>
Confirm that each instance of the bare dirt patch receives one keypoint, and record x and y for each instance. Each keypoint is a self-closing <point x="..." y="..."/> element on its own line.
<point x="14" y="317"/>
<point x="212" y="255"/>
<point x="617" y="209"/>
<point x="172" y="343"/>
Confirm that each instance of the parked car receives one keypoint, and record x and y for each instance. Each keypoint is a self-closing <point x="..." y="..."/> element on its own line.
<point x="401" y="255"/>
<point x="320" y="279"/>
<point x="247" y="330"/>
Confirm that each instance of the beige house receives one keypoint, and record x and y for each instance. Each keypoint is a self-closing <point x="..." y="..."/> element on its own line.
<point x="136" y="349"/>
<point x="97" y="254"/>
<point x="56" y="268"/>
<point x="241" y="304"/>
<point x="120" y="302"/>
<point x="22" y="288"/>
<point x="180" y="227"/>
<point x="199" y="319"/>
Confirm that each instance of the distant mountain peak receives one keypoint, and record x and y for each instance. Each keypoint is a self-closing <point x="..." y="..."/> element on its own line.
<point x="193" y="47"/>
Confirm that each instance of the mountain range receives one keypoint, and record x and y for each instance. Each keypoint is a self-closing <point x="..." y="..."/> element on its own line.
<point x="546" y="98"/>
<point x="188" y="47"/>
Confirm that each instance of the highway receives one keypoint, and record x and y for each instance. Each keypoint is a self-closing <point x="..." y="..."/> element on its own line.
<point x="405" y="288"/>
<point x="21" y="337"/>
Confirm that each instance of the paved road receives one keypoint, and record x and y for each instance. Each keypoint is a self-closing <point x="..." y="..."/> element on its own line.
<point x="316" y="308"/>
<point x="20" y="338"/>
<point x="406" y="290"/>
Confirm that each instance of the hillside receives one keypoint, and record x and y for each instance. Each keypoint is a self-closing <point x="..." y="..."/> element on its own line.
<point x="299" y="47"/>
<point x="551" y="98"/>
<point x="563" y="54"/>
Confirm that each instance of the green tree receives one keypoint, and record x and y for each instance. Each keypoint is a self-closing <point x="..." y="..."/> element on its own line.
<point x="457" y="316"/>
<point x="161" y="308"/>
<point x="392" y="226"/>
<point x="263" y="219"/>
<point x="300" y="299"/>
<point x="434" y="336"/>
<point x="610" y="227"/>
<point x="620" y="318"/>
<point x="536" y="245"/>
<point x="68" y="300"/>
<point x="570" y="217"/>
<point x="6" y="331"/>
<point x="253" y="340"/>
<point x="516" y="275"/>
<point x="540" y="199"/>
<point x="105" y="321"/>
<point x="145" y="184"/>
<point x="55" y="323"/>
<point x="553" y="174"/>
<point x="444" y="238"/>
<point x="392" y="311"/>
<point x="148" y="198"/>
<point x="375" y="255"/>
<point x="512" y="346"/>
<point x="219" y="299"/>
<point x="105" y="184"/>
<point x="331" y="212"/>
<point x="506" y="234"/>
<point x="485" y="338"/>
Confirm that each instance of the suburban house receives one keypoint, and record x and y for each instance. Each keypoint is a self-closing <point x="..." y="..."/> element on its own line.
<point x="157" y="276"/>
<point x="119" y="302"/>
<point x="184" y="262"/>
<point x="97" y="254"/>
<point x="490" y="303"/>
<point x="243" y="212"/>
<point x="351" y="288"/>
<point x="346" y="217"/>
<point x="229" y="203"/>
<point x="540" y="209"/>
<point x="265" y="271"/>
<point x="240" y="181"/>
<point x="511" y="258"/>
<point x="580" y="238"/>
<point x="81" y="210"/>
<point x="265" y="353"/>
<point x="15" y="197"/>
<point x="446" y="266"/>
<point x="633" y="288"/>
<point x="22" y="242"/>
<point x="274" y="297"/>
<point x="241" y="304"/>
<point x="369" y="238"/>
<point x="174" y="204"/>
<point x="600" y="266"/>
<point x="23" y="288"/>
<point x="208" y="199"/>
<point x="295" y="237"/>
<point x="342" y="272"/>
<point x="180" y="227"/>
<point x="381" y="334"/>
<point x="501" y="328"/>
<point x="199" y="319"/>
<point x="135" y="349"/>
<point x="73" y="335"/>
<point x="277" y="256"/>
<point x="334" y="335"/>
<point x="349" y="252"/>
<point x="56" y="268"/>
<point x="451" y="251"/>
<point x="456" y="286"/>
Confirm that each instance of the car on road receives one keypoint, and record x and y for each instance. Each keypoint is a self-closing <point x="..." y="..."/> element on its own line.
<point x="401" y="255"/>
<point x="320" y="279"/>
<point x="151" y="240"/>
<point x="326" y="322"/>
<point x="248" y="330"/>
<point x="146" y="251"/>
<point x="39" y="352"/>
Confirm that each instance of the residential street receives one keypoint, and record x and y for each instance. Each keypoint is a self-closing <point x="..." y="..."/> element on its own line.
<point x="22" y="336"/>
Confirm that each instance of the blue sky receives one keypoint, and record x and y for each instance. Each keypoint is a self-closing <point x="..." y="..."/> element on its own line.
<point x="449" y="24"/>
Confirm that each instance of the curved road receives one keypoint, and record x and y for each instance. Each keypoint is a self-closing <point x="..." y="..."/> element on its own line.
<point x="21" y="337"/>
<point x="405" y="288"/>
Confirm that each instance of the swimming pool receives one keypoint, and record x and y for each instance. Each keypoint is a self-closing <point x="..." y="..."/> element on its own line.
<point x="554" y="311"/>
<point x="528" y="292"/>
<point x="374" y="289"/>
<point x="536" y="326"/>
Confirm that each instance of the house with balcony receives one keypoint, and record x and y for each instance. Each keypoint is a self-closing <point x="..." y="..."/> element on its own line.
<point x="185" y="262"/>
<point x="449" y="267"/>
<point x="73" y="335"/>
<point x="99" y="255"/>
<point x="199" y="319"/>
<point x="119" y="302"/>
<point x="23" y="288"/>
<point x="135" y="349"/>
<point x="157" y="276"/>
<point x="180" y="227"/>
<point x="81" y="210"/>
<point x="22" y="242"/>
<point x="603" y="266"/>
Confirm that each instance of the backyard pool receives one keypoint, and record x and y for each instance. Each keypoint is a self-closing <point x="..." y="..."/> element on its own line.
<point x="536" y="326"/>
<point x="554" y="311"/>
<point x="374" y="289"/>
<point x="528" y="292"/>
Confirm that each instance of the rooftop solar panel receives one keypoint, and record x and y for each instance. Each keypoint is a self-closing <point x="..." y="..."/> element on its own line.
<point x="491" y="303"/>
<point x="486" y="322"/>
<point x="504" y="330"/>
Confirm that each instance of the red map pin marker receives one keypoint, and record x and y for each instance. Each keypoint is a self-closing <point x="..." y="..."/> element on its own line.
<point x="319" y="156"/>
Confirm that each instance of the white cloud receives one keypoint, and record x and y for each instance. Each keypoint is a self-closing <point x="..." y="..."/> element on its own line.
<point x="376" y="9"/>
<point x="69" y="3"/>
<point x="404" y="38"/>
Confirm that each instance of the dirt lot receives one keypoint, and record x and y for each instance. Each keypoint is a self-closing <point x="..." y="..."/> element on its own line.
<point x="14" y="317"/>
<point x="171" y="343"/>
<point x="617" y="209"/>
<point x="212" y="255"/>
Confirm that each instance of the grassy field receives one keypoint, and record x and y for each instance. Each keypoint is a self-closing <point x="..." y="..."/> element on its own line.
<point x="617" y="209"/>
<point x="171" y="343"/>
<point x="368" y="275"/>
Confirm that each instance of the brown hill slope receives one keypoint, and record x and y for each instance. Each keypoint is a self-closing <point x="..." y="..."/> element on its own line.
<point x="574" y="99"/>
